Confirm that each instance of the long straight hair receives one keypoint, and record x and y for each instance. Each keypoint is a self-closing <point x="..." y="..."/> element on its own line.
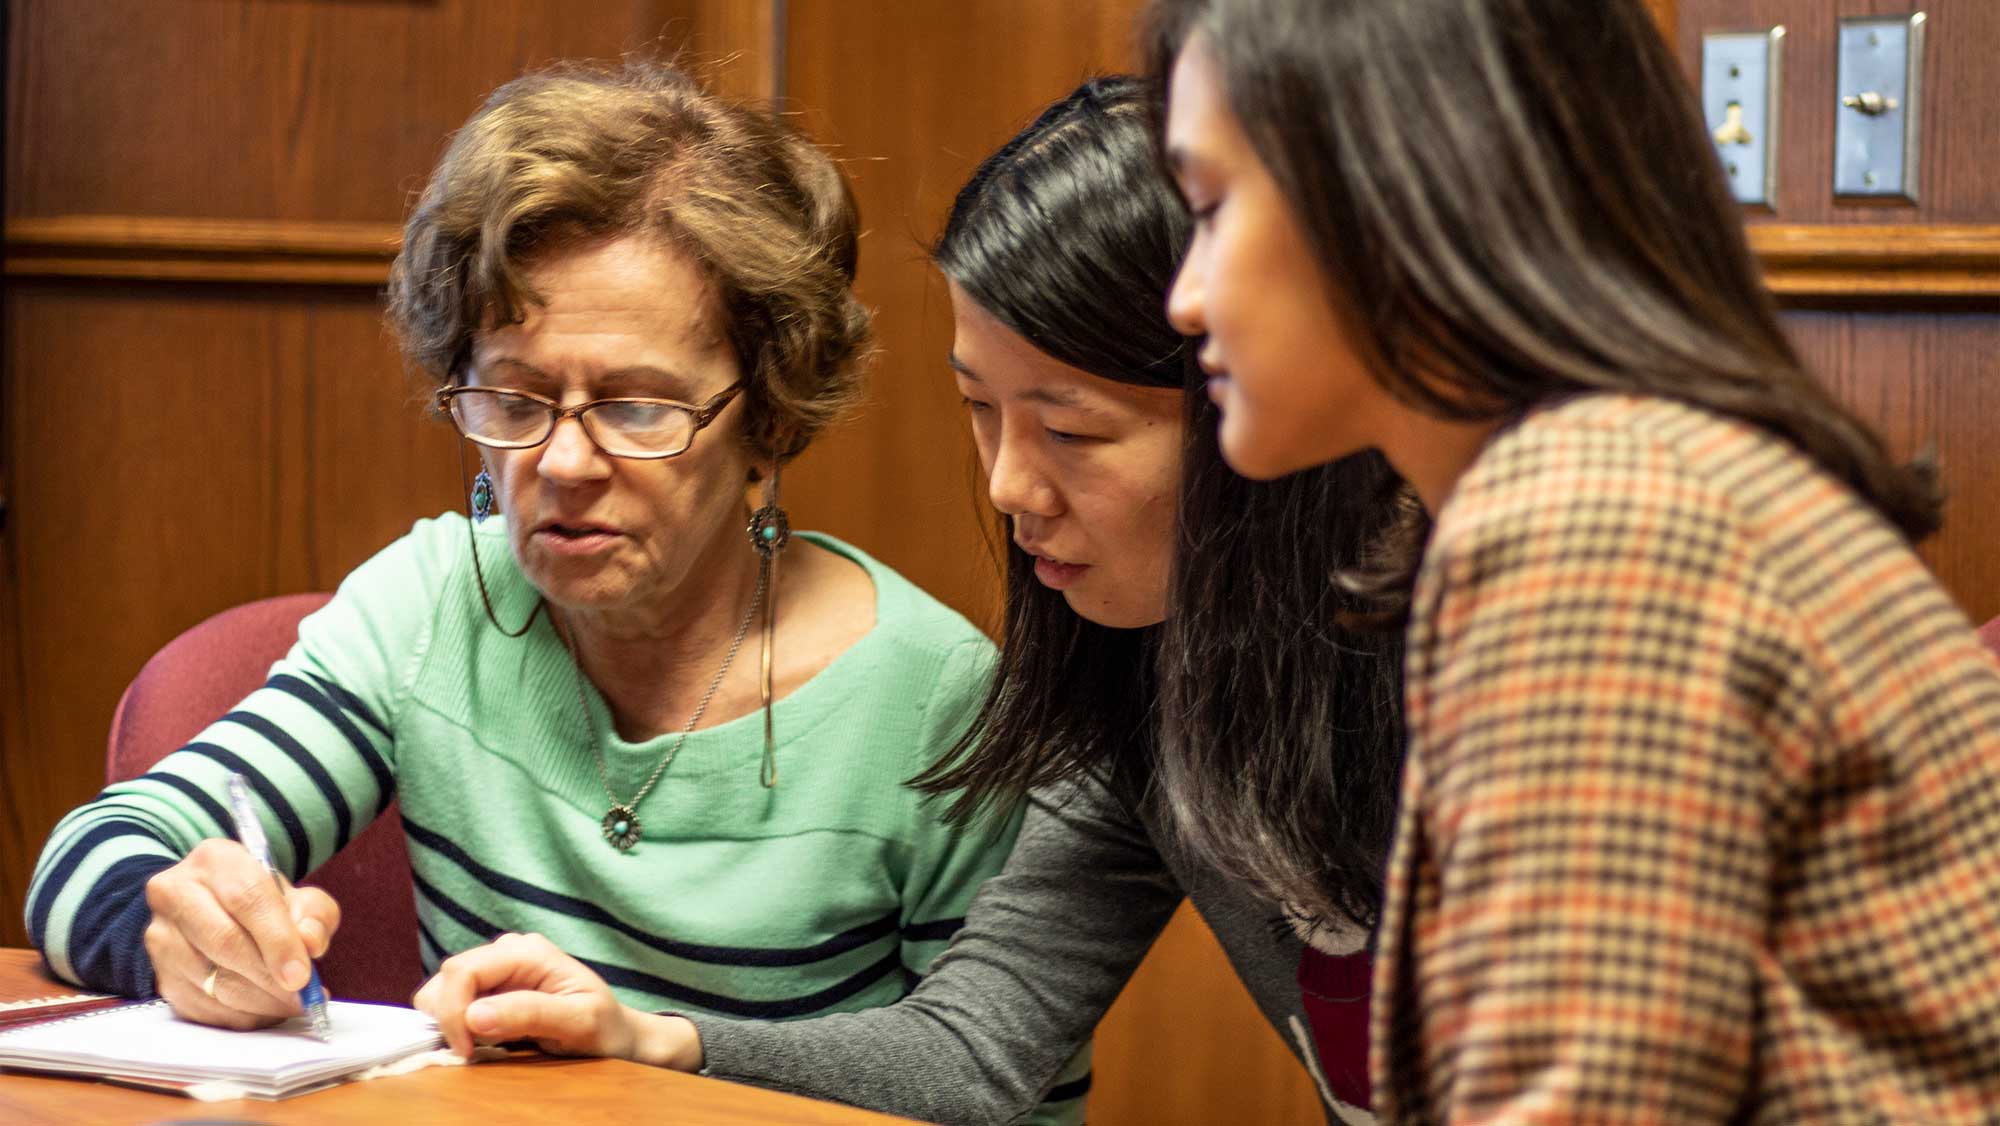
<point x="1517" y="201"/>
<point x="1285" y="732"/>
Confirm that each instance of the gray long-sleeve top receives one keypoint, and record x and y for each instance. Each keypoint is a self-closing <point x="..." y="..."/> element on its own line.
<point x="1046" y="947"/>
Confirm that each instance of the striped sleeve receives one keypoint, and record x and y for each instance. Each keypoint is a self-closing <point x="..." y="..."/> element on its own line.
<point x="1582" y="874"/>
<point x="314" y="743"/>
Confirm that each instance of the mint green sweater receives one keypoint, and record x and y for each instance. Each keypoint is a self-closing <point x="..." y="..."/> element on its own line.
<point x="829" y="893"/>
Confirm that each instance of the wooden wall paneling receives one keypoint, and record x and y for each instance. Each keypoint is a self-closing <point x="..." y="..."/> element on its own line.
<point x="152" y="248"/>
<point x="1909" y="265"/>
<point x="15" y="841"/>
<point x="141" y="502"/>
<point x="316" y="111"/>
<point x="1185" y="1044"/>
<point x="375" y="459"/>
<point x="1961" y="134"/>
<point x="1928" y="381"/>
<point x="735" y="44"/>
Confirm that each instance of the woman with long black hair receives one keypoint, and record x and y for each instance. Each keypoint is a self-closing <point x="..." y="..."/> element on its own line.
<point x="1701" y="810"/>
<point x="1119" y="513"/>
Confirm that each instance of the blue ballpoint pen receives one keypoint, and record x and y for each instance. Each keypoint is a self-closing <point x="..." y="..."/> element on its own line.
<point x="250" y="832"/>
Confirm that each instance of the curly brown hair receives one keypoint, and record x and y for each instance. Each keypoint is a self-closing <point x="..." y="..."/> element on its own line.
<point x="576" y="153"/>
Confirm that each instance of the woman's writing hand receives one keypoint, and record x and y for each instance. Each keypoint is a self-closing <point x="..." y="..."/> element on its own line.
<point x="228" y="947"/>
<point x="521" y="987"/>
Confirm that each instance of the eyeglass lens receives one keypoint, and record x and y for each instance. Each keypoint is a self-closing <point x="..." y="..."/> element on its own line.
<point x="504" y="419"/>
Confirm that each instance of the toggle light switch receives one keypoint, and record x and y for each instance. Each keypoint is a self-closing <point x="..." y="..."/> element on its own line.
<point x="1739" y="97"/>
<point x="1875" y="134"/>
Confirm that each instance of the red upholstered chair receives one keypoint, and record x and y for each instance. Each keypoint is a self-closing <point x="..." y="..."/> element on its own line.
<point x="202" y="674"/>
<point x="1990" y="634"/>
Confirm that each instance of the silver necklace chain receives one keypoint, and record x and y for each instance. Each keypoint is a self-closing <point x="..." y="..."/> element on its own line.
<point x="624" y="833"/>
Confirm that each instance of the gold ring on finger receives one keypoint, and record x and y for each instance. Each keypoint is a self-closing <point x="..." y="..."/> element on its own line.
<point x="208" y="983"/>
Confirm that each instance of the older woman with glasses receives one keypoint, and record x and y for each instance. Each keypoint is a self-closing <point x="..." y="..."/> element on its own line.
<point x="636" y="301"/>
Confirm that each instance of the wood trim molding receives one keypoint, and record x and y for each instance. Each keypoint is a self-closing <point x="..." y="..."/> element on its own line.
<point x="1804" y="265"/>
<point x="1880" y="265"/>
<point x="132" y="247"/>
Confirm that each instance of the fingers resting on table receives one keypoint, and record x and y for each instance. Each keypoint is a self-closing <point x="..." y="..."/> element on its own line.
<point x="523" y="987"/>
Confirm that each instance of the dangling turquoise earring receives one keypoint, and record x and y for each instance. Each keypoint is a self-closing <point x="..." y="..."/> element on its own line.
<point x="770" y="526"/>
<point x="482" y="507"/>
<point x="482" y="497"/>
<point x="770" y="530"/>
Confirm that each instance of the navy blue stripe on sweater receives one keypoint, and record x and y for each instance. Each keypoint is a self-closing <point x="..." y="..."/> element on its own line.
<point x="782" y="1009"/>
<point x="224" y="825"/>
<point x="1074" y="1089"/>
<point x="463" y="916"/>
<point x="64" y="869"/>
<point x="295" y="830"/>
<point x="348" y="700"/>
<point x="194" y="793"/>
<point x="939" y="930"/>
<point x="107" y="938"/>
<point x="426" y="938"/>
<point x="753" y="956"/>
<point x="320" y="701"/>
<point x="675" y="991"/>
<point x="308" y="762"/>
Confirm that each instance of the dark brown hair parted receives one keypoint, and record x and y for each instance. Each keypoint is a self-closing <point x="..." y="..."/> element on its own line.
<point x="1516" y="200"/>
<point x="577" y="153"/>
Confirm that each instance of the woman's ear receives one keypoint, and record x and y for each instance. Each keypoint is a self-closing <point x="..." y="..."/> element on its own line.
<point x="767" y="451"/>
<point x="761" y="460"/>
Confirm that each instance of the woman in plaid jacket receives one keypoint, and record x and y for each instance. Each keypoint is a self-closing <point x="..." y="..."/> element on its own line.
<point x="1701" y="812"/>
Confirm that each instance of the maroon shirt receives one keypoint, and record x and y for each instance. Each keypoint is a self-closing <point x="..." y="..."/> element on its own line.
<point x="1334" y="993"/>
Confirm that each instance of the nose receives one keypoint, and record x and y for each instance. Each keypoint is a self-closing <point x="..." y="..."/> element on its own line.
<point x="1185" y="300"/>
<point x="570" y="457"/>
<point x="1016" y="484"/>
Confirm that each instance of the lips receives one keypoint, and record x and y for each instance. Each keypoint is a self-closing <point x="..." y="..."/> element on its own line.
<point x="1218" y="377"/>
<point x="1054" y="573"/>
<point x="575" y="529"/>
<point x="1218" y="390"/>
<point x="575" y="537"/>
<point x="1057" y="576"/>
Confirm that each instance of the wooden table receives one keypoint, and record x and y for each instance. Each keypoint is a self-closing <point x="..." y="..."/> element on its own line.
<point x="528" y="1089"/>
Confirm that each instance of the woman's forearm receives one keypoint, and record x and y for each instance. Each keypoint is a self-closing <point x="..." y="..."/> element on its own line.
<point x="1047" y="946"/>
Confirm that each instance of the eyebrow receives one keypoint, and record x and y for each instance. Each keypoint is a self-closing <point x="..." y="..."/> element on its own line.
<point x="677" y="384"/>
<point x="1050" y="396"/>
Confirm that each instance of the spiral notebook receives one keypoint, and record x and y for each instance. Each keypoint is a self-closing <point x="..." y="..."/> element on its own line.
<point x="33" y="1009"/>
<point x="147" y="1045"/>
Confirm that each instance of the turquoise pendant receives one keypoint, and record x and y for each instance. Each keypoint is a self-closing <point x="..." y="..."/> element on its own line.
<point x="621" y="827"/>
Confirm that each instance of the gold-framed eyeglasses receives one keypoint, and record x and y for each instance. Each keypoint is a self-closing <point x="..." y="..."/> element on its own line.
<point x="506" y="419"/>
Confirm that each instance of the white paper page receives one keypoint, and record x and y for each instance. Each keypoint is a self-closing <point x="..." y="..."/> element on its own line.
<point x="148" y="1040"/>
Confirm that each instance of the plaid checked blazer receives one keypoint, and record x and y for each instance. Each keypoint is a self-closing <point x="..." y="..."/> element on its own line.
<point x="1701" y="816"/>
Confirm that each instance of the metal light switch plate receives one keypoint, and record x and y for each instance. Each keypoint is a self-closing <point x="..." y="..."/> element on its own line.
<point x="1740" y="80"/>
<point x="1876" y="125"/>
